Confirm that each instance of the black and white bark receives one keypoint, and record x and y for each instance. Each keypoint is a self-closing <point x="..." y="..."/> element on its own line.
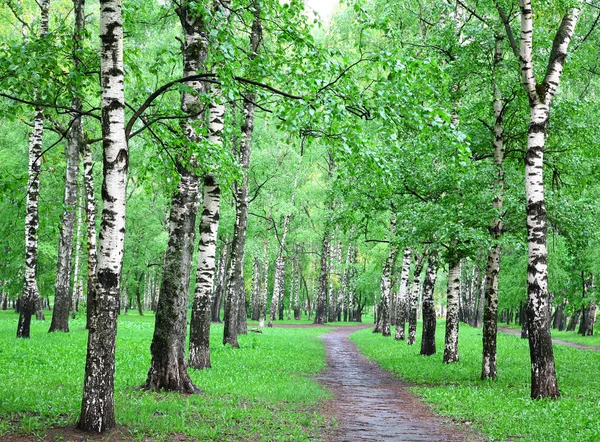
<point x="262" y="307"/>
<point x="30" y="302"/>
<point x="402" y="296"/>
<point x="77" y="281"/>
<point x="220" y="284"/>
<point x="97" y="411"/>
<point x="278" y="285"/>
<point x="207" y="248"/>
<point x="90" y="223"/>
<point x="256" y="286"/>
<point x="451" y="340"/>
<point x="209" y="226"/>
<point x="543" y="372"/>
<point x="321" y="301"/>
<point x="168" y="369"/>
<point x="413" y="300"/>
<point x="386" y="284"/>
<point x="428" y="347"/>
<point x="490" y="312"/>
<point x="62" y="287"/>
<point x="234" y="311"/>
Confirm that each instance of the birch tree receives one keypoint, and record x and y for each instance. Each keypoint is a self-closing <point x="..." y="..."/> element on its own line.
<point x="209" y="226"/>
<point x="62" y="293"/>
<point x="402" y="296"/>
<point x="429" y="316"/>
<point x="490" y="312"/>
<point x="30" y="301"/>
<point x="97" y="410"/>
<point x="168" y="369"/>
<point x="235" y="287"/>
<point x="543" y="372"/>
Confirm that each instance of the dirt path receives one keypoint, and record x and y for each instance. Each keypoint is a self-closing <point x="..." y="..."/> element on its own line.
<point x="371" y="404"/>
<point x="511" y="331"/>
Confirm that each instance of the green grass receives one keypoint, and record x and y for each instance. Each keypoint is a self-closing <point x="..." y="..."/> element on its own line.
<point x="500" y="409"/>
<point x="263" y="391"/>
<point x="570" y="336"/>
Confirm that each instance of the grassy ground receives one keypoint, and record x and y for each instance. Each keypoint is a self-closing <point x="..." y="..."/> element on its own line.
<point x="262" y="391"/>
<point x="501" y="409"/>
<point x="570" y="336"/>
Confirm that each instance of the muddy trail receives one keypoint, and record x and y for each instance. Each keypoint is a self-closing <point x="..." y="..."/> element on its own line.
<point x="370" y="404"/>
<point x="514" y="332"/>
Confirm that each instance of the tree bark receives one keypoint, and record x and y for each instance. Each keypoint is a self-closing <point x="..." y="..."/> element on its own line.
<point x="414" y="298"/>
<point x="429" y="319"/>
<point x="62" y="292"/>
<point x="386" y="283"/>
<point x="168" y="369"/>
<point x="490" y="315"/>
<point x="321" y="304"/>
<point x="451" y="341"/>
<point x="235" y="295"/>
<point x="265" y="289"/>
<point x="90" y="222"/>
<point x="220" y="284"/>
<point x="402" y="296"/>
<point x="201" y="308"/>
<point x="543" y="373"/>
<point x="97" y="411"/>
<point x="31" y="301"/>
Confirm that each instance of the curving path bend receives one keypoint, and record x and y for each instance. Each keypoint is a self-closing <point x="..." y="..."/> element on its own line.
<point x="372" y="405"/>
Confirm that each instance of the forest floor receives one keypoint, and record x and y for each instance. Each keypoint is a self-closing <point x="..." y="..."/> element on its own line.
<point x="515" y="332"/>
<point x="371" y="404"/>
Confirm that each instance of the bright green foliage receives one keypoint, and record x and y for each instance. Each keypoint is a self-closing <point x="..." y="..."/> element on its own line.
<point x="502" y="409"/>
<point x="265" y="387"/>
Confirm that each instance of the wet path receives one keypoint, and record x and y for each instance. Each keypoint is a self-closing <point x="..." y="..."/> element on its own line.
<point x="511" y="331"/>
<point x="372" y="405"/>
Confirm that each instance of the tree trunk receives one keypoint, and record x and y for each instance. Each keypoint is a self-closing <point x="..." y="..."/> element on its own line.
<point x="386" y="285"/>
<point x="90" y="222"/>
<point x="168" y="369"/>
<point x="31" y="301"/>
<point x="265" y="289"/>
<point x="429" y="319"/>
<point x="321" y="304"/>
<point x="201" y="309"/>
<point x="402" y="296"/>
<point x="220" y="284"/>
<point x="414" y="297"/>
<point x="97" y="411"/>
<point x="490" y="315"/>
<point x="77" y="282"/>
<point x="543" y="373"/>
<point x="234" y="295"/>
<point x="451" y="341"/>
<point x="62" y="293"/>
<point x="278" y="286"/>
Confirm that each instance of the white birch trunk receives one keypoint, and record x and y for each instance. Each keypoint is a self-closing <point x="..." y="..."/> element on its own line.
<point x="543" y="372"/>
<point x="199" y="356"/>
<point x="30" y="300"/>
<point x="90" y="223"/>
<point x="402" y="295"/>
<point x="97" y="411"/>
<point x="490" y="312"/>
<point x="77" y="283"/>
<point x="414" y="297"/>
<point x="265" y="288"/>
<point x="451" y="341"/>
